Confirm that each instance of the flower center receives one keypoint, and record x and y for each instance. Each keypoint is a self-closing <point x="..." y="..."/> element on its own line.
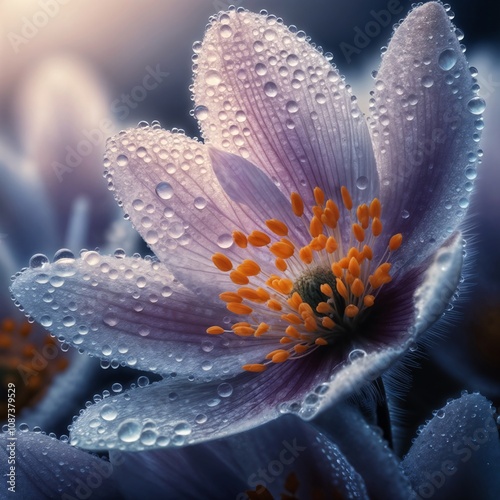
<point x="318" y="291"/>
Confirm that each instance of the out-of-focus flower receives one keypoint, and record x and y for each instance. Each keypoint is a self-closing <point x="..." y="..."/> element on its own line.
<point x="454" y="456"/>
<point x="301" y="250"/>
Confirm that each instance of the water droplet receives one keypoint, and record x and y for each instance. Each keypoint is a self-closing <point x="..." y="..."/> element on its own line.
<point x="356" y="354"/>
<point x="108" y="412"/>
<point x="476" y="105"/>
<point x="201" y="418"/>
<point x="164" y="190"/>
<point x="447" y="59"/>
<point x="463" y="202"/>
<point x="129" y="431"/>
<point x="122" y="160"/>
<point x="110" y="319"/>
<point x="117" y="387"/>
<point x="405" y="214"/>
<point x="182" y="429"/>
<point x="362" y="182"/>
<point x="440" y="413"/>
<point x="225" y="240"/>
<point x="201" y="113"/>
<point x="143" y="381"/>
<point x="320" y="98"/>
<point x="224" y="390"/>
<point x="64" y="253"/>
<point x="68" y="321"/>
<point x="46" y="321"/>
<point x="225" y="31"/>
<point x="292" y="107"/>
<point x="427" y="81"/>
<point x="200" y="203"/>
<point x="212" y="77"/>
<point x="270" y="89"/>
<point x="38" y="261"/>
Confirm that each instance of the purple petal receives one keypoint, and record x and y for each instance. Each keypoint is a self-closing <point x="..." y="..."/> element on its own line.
<point x="45" y="467"/>
<point x="424" y="133"/>
<point x="457" y="453"/>
<point x="246" y="184"/>
<point x="168" y="188"/>
<point x="133" y="311"/>
<point x="229" y="467"/>
<point x="366" y="451"/>
<point x="266" y="94"/>
<point x="181" y="412"/>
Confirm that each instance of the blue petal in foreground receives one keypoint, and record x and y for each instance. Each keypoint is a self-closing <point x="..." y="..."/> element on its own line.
<point x="46" y="468"/>
<point x="227" y="468"/>
<point x="458" y="452"/>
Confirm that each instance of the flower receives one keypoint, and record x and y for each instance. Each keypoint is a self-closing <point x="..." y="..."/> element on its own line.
<point x="346" y="232"/>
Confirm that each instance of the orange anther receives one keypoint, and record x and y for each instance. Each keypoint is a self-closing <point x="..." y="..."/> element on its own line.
<point x="280" y="356"/>
<point x="317" y="211"/>
<point x="281" y="264"/>
<point x="285" y="340"/>
<point x="297" y="204"/>
<point x="258" y="239"/>
<point x="222" y="262"/>
<point x="351" y="310"/>
<point x="238" y="278"/>
<point x="363" y="215"/>
<point x="274" y="305"/>
<point x="327" y="322"/>
<point x="324" y="308"/>
<point x="215" y="330"/>
<point x="310" y="324"/>
<point x="346" y="197"/>
<point x="353" y="267"/>
<point x="291" y="331"/>
<point x="321" y="340"/>
<point x="342" y="289"/>
<point x="238" y="308"/>
<point x="305" y="310"/>
<point x="326" y="289"/>
<point x="240" y="239"/>
<point x="282" y="250"/>
<point x="285" y="285"/>
<point x="230" y="297"/>
<point x="331" y="244"/>
<point x="300" y="348"/>
<point x="277" y="227"/>
<point x="263" y="294"/>
<point x="243" y="331"/>
<point x="249" y="293"/>
<point x="294" y="301"/>
<point x="333" y="207"/>
<point x="255" y="368"/>
<point x="337" y="270"/>
<point x="315" y="227"/>
<point x="369" y="300"/>
<point x="249" y="268"/>
<point x="319" y="196"/>
<point x="358" y="232"/>
<point x="375" y="209"/>
<point x="291" y="318"/>
<point x="368" y="252"/>
<point x="306" y="255"/>
<point x="357" y="287"/>
<point x="328" y="218"/>
<point x="376" y="226"/>
<point x="261" y="329"/>
<point x="395" y="242"/>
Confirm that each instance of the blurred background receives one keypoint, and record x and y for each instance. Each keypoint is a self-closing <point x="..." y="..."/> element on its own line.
<point x="74" y="73"/>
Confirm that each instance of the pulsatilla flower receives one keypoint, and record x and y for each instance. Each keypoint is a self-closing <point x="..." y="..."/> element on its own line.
<point x="300" y="250"/>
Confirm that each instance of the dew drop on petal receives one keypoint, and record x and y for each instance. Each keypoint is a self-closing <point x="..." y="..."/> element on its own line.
<point x="270" y="89"/>
<point x="356" y="354"/>
<point x="182" y="429"/>
<point x="38" y="261"/>
<point x="225" y="240"/>
<point x="110" y="319"/>
<point x="447" y="59"/>
<point x="201" y="418"/>
<point x="201" y="113"/>
<point x="108" y="412"/>
<point x="476" y="105"/>
<point x="224" y="390"/>
<point x="212" y="77"/>
<point x="164" y="190"/>
<point x="122" y="160"/>
<point x="200" y="203"/>
<point x="362" y="182"/>
<point x="116" y="387"/>
<point x="46" y="321"/>
<point x="427" y="81"/>
<point x="129" y="431"/>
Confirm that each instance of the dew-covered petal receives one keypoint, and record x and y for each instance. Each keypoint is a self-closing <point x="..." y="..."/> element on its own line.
<point x="424" y="113"/>
<point x="46" y="468"/>
<point x="165" y="183"/>
<point x="457" y="453"/>
<point x="365" y="449"/>
<point x="402" y="312"/>
<point x="229" y="467"/>
<point x="263" y="92"/>
<point x="187" y="412"/>
<point x="135" y="312"/>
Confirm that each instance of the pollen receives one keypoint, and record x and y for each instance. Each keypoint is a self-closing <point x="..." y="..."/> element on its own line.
<point x="306" y="285"/>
